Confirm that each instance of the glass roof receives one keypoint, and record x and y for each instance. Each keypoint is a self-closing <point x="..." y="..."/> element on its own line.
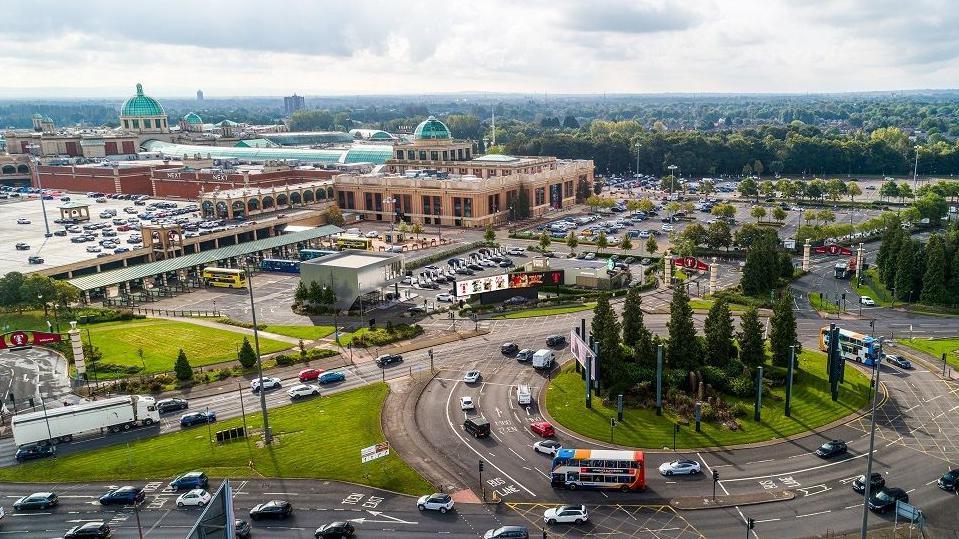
<point x="367" y="153"/>
<point x="497" y="157"/>
<point x="141" y="105"/>
<point x="431" y="128"/>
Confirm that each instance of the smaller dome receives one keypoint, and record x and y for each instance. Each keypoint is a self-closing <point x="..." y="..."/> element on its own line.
<point x="38" y="116"/>
<point x="141" y="105"/>
<point x="227" y="123"/>
<point x="431" y="129"/>
<point x="192" y="119"/>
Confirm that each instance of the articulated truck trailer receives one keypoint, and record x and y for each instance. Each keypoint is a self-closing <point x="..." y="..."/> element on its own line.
<point x="56" y="425"/>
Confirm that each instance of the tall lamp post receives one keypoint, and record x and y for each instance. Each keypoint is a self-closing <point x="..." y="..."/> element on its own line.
<point x="43" y="206"/>
<point x="872" y="444"/>
<point x="267" y="435"/>
<point x="672" y="178"/>
<point x="915" y="167"/>
<point x="638" y="146"/>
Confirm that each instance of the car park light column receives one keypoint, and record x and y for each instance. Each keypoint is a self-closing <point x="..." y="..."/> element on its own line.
<point x="267" y="435"/>
<point x="867" y="483"/>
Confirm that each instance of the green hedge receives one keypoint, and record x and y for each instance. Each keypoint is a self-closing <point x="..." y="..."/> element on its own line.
<point x="443" y="255"/>
<point x="390" y="334"/>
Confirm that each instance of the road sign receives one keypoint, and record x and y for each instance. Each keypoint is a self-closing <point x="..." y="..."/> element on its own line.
<point x="905" y="510"/>
<point x="832" y="249"/>
<point x="25" y="339"/>
<point x="374" y="452"/>
<point x="691" y="263"/>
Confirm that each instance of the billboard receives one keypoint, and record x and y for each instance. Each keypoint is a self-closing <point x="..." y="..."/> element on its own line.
<point x="24" y="339"/>
<point x="482" y="284"/>
<point x="581" y="351"/>
<point x="522" y="279"/>
<point x="691" y="262"/>
<point x="525" y="279"/>
<point x="374" y="452"/>
<point x="832" y="250"/>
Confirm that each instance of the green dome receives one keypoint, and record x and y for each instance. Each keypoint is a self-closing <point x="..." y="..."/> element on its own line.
<point x="141" y="105"/>
<point x="227" y="123"/>
<point x="431" y="128"/>
<point x="192" y="119"/>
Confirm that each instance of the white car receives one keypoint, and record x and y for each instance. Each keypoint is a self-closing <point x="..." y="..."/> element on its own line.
<point x="302" y="390"/>
<point x="471" y="377"/>
<point x="466" y="403"/>
<point x="566" y="514"/>
<point x="680" y="467"/>
<point x="23" y="221"/>
<point x="268" y="383"/>
<point x="548" y="447"/>
<point x="445" y="297"/>
<point x="867" y="301"/>
<point x="435" y="502"/>
<point x="668" y="227"/>
<point x="196" y="497"/>
<point x="93" y="249"/>
<point x="372" y="234"/>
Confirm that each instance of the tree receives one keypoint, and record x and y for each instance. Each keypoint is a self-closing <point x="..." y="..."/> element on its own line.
<point x="302" y="293"/>
<point x="417" y="229"/>
<point x="758" y="212"/>
<point x="933" y="207"/>
<point x="544" y="241"/>
<point x="889" y="190"/>
<point x="315" y="293"/>
<point x="329" y="296"/>
<point x="835" y="188"/>
<point x="570" y="122"/>
<point x="779" y="214"/>
<point x="751" y="347"/>
<point x="953" y="285"/>
<point x="606" y="331"/>
<point x="748" y="188"/>
<point x="888" y="255"/>
<point x="782" y="330"/>
<point x="826" y="216"/>
<point x="767" y="189"/>
<point x="760" y="259"/>
<point x="853" y="190"/>
<point x="572" y="241"/>
<point x="490" y="234"/>
<point x="905" y="266"/>
<point x="724" y="211"/>
<point x="905" y="192"/>
<point x="695" y="233"/>
<point x="334" y="216"/>
<point x="718" y="330"/>
<point x="646" y="205"/>
<point x="651" y="246"/>
<point x="246" y="356"/>
<point x="934" y="290"/>
<point x="182" y="367"/>
<point x="810" y="215"/>
<point x="626" y="244"/>
<point x="633" y="325"/>
<point x="683" y="351"/>
<point x="595" y="202"/>
<point x="718" y="235"/>
<point x="521" y="206"/>
<point x="602" y="242"/>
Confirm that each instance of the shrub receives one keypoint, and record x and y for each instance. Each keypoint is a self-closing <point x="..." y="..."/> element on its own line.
<point x="283" y="360"/>
<point x="740" y="409"/>
<point x="182" y="367"/>
<point x="223" y="374"/>
<point x="319" y="353"/>
<point x="381" y="337"/>
<point x="674" y="379"/>
<point x="714" y="376"/>
<point x="741" y="386"/>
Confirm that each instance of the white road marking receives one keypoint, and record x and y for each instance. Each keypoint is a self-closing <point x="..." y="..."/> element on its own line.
<point x="517" y="454"/>
<point x="814" y="514"/>
<point x="767" y="520"/>
<point x="758" y="461"/>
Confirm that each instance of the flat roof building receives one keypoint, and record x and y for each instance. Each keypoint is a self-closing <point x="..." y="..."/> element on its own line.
<point x="353" y="273"/>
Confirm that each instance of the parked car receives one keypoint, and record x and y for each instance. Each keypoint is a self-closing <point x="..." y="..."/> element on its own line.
<point x="509" y="348"/>
<point x="472" y="377"/>
<point x="388" y="359"/>
<point x="507" y="532"/>
<point x="831" y="449"/>
<point x="445" y="297"/>
<point x="548" y="447"/>
<point x="680" y="467"/>
<point x="515" y="300"/>
<point x="331" y="377"/>
<point x="22" y="246"/>
<point x="194" y="498"/>
<point x="271" y="509"/>
<point x="302" y="390"/>
<point x="35" y="260"/>
<point x="268" y="384"/>
<point x="37" y="500"/>
<point x="900" y="362"/>
<point x="885" y="499"/>
<point x="526" y="354"/>
<point x="197" y="418"/>
<point x="877" y="482"/>
<point x="172" y="405"/>
<point x="335" y="530"/>
<point x="949" y="481"/>
<point x="190" y="480"/>
<point x="566" y="514"/>
<point x="556" y="341"/>
<point x="543" y="428"/>
<point x="309" y="374"/>
<point x="123" y="496"/>
<point x="98" y="530"/>
<point x="23" y="221"/>
<point x="439" y="501"/>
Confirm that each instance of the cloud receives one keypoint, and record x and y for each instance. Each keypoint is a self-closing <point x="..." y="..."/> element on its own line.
<point x="630" y="17"/>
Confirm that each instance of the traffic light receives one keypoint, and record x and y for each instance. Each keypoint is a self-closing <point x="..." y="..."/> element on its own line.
<point x="715" y="475"/>
<point x="481" y="465"/>
<point x="750" y="523"/>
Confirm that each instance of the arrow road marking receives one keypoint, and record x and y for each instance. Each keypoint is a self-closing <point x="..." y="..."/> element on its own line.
<point x="392" y="520"/>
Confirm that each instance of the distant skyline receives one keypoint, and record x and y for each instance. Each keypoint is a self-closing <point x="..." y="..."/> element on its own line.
<point x="103" y="48"/>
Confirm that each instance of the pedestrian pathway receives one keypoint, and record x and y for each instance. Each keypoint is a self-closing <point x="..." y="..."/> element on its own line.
<point x="234" y="329"/>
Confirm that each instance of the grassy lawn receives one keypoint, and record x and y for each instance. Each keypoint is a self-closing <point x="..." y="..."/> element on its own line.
<point x="309" y="442"/>
<point x="546" y="311"/>
<point x="162" y="339"/>
<point x="706" y="304"/>
<point x="935" y="348"/>
<point x="812" y="407"/>
<point x="307" y="333"/>
<point x="347" y="338"/>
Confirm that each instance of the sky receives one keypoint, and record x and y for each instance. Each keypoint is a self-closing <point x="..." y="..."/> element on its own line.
<point x="228" y="48"/>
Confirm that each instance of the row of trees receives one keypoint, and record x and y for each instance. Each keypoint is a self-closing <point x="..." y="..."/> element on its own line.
<point x="314" y="294"/>
<point x="912" y="270"/>
<point x="34" y="291"/>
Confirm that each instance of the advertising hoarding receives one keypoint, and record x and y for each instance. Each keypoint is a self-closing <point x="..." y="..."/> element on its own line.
<point x="482" y="284"/>
<point x="581" y="351"/>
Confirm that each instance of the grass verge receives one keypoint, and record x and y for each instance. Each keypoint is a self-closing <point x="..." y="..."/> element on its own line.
<point x="309" y="442"/>
<point x="873" y="288"/>
<point x="307" y="333"/>
<point x="706" y="304"/>
<point x="546" y="311"/>
<point x="812" y="407"/>
<point x="935" y="348"/>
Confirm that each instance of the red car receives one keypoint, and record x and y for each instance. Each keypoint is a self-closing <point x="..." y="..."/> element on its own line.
<point x="543" y="428"/>
<point x="310" y="374"/>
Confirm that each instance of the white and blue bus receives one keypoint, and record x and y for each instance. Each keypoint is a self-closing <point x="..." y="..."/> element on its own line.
<point x="853" y="346"/>
<point x="280" y="265"/>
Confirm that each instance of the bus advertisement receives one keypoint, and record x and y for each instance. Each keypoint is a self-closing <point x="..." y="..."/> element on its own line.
<point x="853" y="346"/>
<point x="224" y="277"/>
<point x="280" y="265"/>
<point x="598" y="469"/>
<point x="347" y="241"/>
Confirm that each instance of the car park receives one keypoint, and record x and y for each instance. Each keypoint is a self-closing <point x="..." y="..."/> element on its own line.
<point x="197" y="418"/>
<point x="885" y="499"/>
<point x="831" y="449"/>
<point x="335" y="530"/>
<point x="194" y="498"/>
<point x="268" y="384"/>
<point x="471" y="377"/>
<point x="171" y="405"/>
<point x="898" y="361"/>
<point x="302" y="390"/>
<point x="37" y="500"/>
<point x="680" y="467"/>
<point x="190" y="480"/>
<point x="275" y="509"/>
<point x="548" y="447"/>
<point x="388" y="359"/>
<point x="566" y="514"/>
<point x="123" y="496"/>
<point x="543" y="428"/>
<point x="331" y="377"/>
<point x="98" y="530"/>
<point x="877" y="482"/>
<point x="439" y="501"/>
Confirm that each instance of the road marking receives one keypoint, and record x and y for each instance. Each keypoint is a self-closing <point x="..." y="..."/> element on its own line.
<point x="767" y="520"/>
<point x="281" y="493"/>
<point x="814" y="514"/>
<point x="517" y="454"/>
<point x="758" y="461"/>
<point x="757" y="477"/>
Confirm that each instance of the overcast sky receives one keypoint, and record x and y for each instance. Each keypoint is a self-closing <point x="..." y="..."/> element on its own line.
<point x="257" y="47"/>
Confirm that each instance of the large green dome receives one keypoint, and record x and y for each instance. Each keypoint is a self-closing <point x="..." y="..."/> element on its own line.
<point x="141" y="105"/>
<point x="193" y="118"/>
<point x="431" y="128"/>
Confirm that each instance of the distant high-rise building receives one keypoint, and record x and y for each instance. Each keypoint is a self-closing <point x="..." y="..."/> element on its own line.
<point x="293" y="103"/>
<point x="199" y="95"/>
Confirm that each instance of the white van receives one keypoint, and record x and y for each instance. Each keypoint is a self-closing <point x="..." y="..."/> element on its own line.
<point x="523" y="395"/>
<point x="543" y="359"/>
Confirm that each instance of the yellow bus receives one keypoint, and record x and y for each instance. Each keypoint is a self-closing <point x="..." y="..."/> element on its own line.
<point x="349" y="241"/>
<point x="225" y="277"/>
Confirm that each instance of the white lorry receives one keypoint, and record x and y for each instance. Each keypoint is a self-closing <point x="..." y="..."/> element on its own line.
<point x="544" y="359"/>
<point x="61" y="424"/>
<point x="523" y="395"/>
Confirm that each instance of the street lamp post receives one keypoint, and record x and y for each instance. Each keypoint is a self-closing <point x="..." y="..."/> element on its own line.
<point x="915" y="167"/>
<point x="43" y="206"/>
<point x="872" y="444"/>
<point x="672" y="178"/>
<point x="638" y="146"/>
<point x="267" y="435"/>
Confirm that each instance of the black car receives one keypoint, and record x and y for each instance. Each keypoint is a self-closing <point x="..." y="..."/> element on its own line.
<point x="123" y="496"/>
<point x="509" y="348"/>
<point x="877" y="482"/>
<point x="190" y="480"/>
<point x="507" y="532"/>
<point x="271" y="509"/>
<point x="197" y="418"/>
<point x="554" y="341"/>
<point x="37" y="500"/>
<point x="335" y="529"/>
<point x="242" y="528"/>
<point x="515" y="300"/>
<point x="34" y="451"/>
<point x="171" y="405"/>
<point x="22" y="246"/>
<point x="416" y="309"/>
<point x="831" y="449"/>
<point x="525" y="354"/>
<point x="885" y="499"/>
<point x="949" y="481"/>
<point x="388" y="359"/>
<point x="35" y="260"/>
<point x="59" y="232"/>
<point x="99" y="530"/>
